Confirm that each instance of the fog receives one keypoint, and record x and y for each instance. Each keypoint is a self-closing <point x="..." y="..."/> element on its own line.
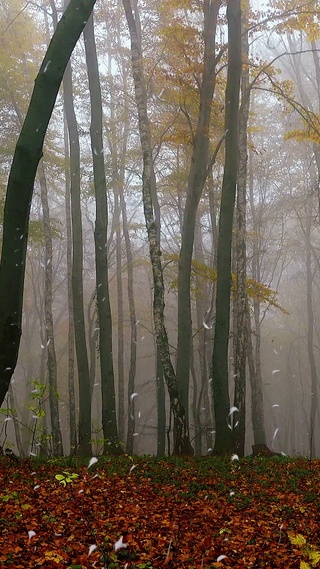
<point x="282" y="232"/>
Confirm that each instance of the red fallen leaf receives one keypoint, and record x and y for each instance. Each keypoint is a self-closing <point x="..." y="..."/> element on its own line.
<point x="206" y="543"/>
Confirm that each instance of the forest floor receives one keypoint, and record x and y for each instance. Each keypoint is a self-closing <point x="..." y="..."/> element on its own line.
<point x="171" y="513"/>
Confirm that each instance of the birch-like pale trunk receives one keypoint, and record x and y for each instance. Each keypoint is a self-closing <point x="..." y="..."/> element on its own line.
<point x="181" y="433"/>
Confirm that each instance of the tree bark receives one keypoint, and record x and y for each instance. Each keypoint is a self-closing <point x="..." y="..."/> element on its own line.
<point x="196" y="180"/>
<point x="109" y="419"/>
<point x="26" y="158"/>
<point x="223" y="441"/>
<point x="71" y="347"/>
<point x="84" y="445"/>
<point x="240" y="335"/>
<point x="181" y="439"/>
<point x="52" y="372"/>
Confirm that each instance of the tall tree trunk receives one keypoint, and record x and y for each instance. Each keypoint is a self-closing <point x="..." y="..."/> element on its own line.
<point x="57" y="446"/>
<point x="254" y="353"/>
<point x="240" y="336"/>
<point x="223" y="440"/>
<point x="133" y="330"/>
<point x="196" y="180"/>
<point x="71" y="349"/>
<point x="181" y="438"/>
<point x="109" y="420"/>
<point x="27" y="154"/>
<point x="77" y="270"/>
<point x="310" y="335"/>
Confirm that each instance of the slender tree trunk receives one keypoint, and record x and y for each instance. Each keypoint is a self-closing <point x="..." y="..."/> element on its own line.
<point x="254" y="353"/>
<point x="71" y="350"/>
<point x="133" y="330"/>
<point x="241" y="254"/>
<point x="77" y="270"/>
<point x="49" y="337"/>
<point x="120" y="331"/>
<point x="310" y="338"/>
<point x="223" y="440"/>
<point x="21" y="182"/>
<point x="109" y="420"/>
<point x="181" y="438"/>
<point x="196" y="180"/>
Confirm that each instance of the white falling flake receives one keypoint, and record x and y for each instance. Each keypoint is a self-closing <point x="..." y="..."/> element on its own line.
<point x="92" y="461"/>
<point x="274" y="435"/>
<point x="220" y="558"/>
<point x="234" y="457"/>
<point x="135" y="434"/>
<point x="232" y="410"/>
<point x="91" y="549"/>
<point x="46" y="67"/>
<point x="7" y="419"/>
<point x="80" y="491"/>
<point x="280" y="536"/>
<point x="31" y="534"/>
<point x="275" y="371"/>
<point x="209" y="449"/>
<point x="132" y="396"/>
<point x="119" y="544"/>
<point x="275" y="405"/>
<point x="36" y="486"/>
<point x="275" y="351"/>
<point x="231" y="493"/>
<point x="132" y="468"/>
<point x="208" y="320"/>
<point x="168" y="552"/>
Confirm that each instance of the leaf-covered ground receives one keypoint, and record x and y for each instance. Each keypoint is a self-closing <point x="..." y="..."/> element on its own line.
<point x="175" y="513"/>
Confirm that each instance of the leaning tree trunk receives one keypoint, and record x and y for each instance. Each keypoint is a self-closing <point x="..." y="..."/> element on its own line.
<point x="26" y="158"/>
<point x="181" y="438"/>
<point x="109" y="420"/>
<point x="223" y="440"/>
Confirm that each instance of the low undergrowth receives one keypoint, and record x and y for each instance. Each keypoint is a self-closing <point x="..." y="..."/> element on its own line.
<point x="144" y="512"/>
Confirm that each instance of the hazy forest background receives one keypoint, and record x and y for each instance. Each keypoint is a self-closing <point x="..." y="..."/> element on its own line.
<point x="96" y="372"/>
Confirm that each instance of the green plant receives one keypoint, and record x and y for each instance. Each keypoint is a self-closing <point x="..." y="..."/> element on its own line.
<point x="66" y="477"/>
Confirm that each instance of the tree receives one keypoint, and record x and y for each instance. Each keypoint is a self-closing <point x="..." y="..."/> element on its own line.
<point x="223" y="441"/>
<point x="26" y="158"/>
<point x="181" y="435"/>
<point x="196" y="180"/>
<point x="240" y="300"/>
<point x="109" y="420"/>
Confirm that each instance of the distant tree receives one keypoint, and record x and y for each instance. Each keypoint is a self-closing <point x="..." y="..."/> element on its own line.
<point x="26" y="158"/>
